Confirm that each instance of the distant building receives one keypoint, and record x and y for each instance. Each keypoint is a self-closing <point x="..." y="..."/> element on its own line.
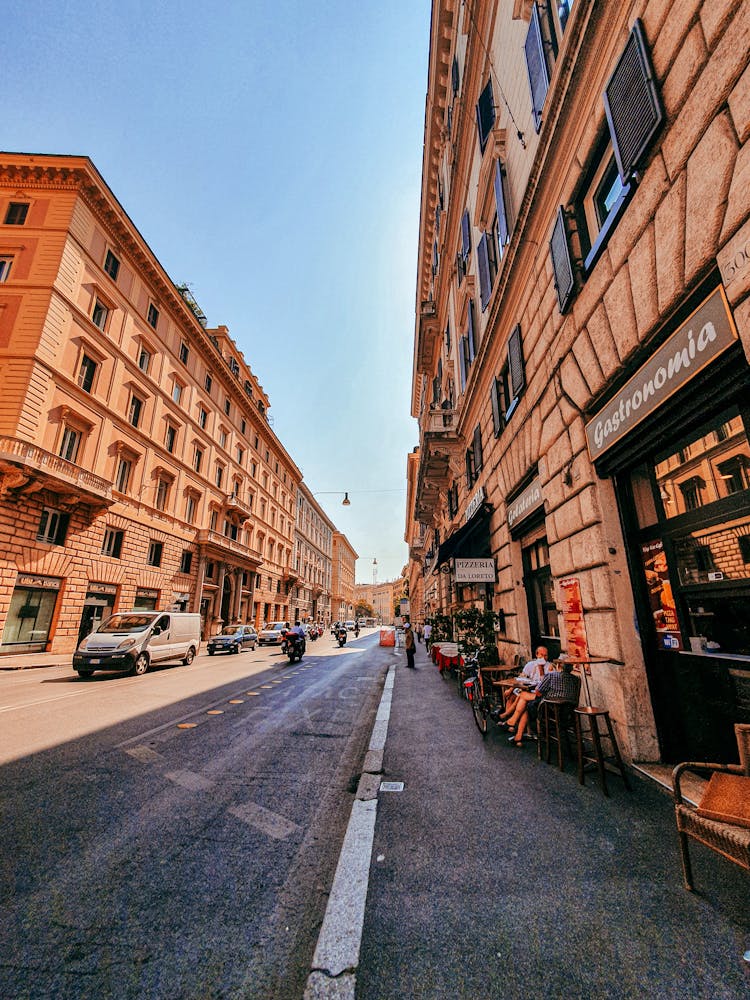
<point x="138" y="467"/>
<point x="344" y="560"/>
<point x="313" y="560"/>
<point x="581" y="374"/>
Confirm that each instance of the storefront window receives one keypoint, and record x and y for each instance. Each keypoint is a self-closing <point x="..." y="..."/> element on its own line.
<point x="30" y="616"/>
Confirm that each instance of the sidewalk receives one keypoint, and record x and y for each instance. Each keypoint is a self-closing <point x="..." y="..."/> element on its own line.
<point x="494" y="875"/>
<point x="29" y="661"/>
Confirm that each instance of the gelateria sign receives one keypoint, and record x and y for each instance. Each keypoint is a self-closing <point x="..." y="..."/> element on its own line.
<point x="526" y="502"/>
<point x="707" y="333"/>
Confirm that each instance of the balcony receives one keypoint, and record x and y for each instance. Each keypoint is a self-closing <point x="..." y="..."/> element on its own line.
<point x="26" y="468"/>
<point x="223" y="547"/>
<point x="234" y="505"/>
<point x="440" y="447"/>
<point x="427" y="334"/>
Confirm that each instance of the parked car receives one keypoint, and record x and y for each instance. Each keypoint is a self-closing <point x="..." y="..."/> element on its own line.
<point x="232" y="639"/>
<point x="349" y="626"/>
<point x="273" y="634"/>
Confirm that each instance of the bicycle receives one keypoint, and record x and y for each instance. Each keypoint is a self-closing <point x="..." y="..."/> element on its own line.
<point x="483" y="693"/>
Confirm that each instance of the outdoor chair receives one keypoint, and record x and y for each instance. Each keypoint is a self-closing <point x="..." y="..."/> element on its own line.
<point x="721" y="820"/>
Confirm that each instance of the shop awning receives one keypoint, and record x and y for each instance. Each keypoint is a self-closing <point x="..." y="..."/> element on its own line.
<point x="471" y="540"/>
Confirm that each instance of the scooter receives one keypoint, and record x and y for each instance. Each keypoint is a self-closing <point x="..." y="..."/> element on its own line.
<point x="295" y="646"/>
<point x="341" y="636"/>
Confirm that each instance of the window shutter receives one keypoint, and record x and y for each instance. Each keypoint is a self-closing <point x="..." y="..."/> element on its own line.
<point x="536" y="66"/>
<point x="515" y="362"/>
<point x="485" y="115"/>
<point x="632" y="104"/>
<point x="471" y="336"/>
<point x="477" y="448"/>
<point x="503" y="229"/>
<point x="455" y="78"/>
<point x="562" y="263"/>
<point x="483" y="263"/>
<point x="497" y="420"/>
<point x="462" y="352"/>
<point x="469" y="468"/>
<point x="465" y="235"/>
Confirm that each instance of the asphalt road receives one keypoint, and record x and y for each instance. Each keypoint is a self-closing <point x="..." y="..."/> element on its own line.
<point x="175" y="835"/>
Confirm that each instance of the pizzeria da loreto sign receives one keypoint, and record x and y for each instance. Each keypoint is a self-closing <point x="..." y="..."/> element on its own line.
<point x="474" y="571"/>
<point x="703" y="337"/>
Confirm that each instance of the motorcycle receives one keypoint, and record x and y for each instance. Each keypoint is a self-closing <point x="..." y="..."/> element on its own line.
<point x="295" y="646"/>
<point x="313" y="634"/>
<point x="341" y="635"/>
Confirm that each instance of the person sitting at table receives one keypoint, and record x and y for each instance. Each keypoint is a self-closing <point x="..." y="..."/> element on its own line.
<point x="561" y="682"/>
<point x="530" y="677"/>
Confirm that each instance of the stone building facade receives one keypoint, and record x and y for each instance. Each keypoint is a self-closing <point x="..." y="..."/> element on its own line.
<point x="344" y="561"/>
<point x="138" y="467"/>
<point x="313" y="559"/>
<point x="581" y="373"/>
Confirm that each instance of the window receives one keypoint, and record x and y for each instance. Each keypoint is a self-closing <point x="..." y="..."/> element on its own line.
<point x="734" y="474"/>
<point x="99" y="314"/>
<point x="509" y="384"/>
<point x="231" y="530"/>
<point x="208" y="383"/>
<point x="474" y="458"/>
<point x="162" y="493"/>
<point x="71" y="442"/>
<point x="243" y="426"/>
<point x="202" y="418"/>
<point x="155" y="550"/>
<point x="536" y="66"/>
<point x="186" y="561"/>
<point x="227" y="406"/>
<point x="487" y="263"/>
<point x="240" y="455"/>
<point x="122" y="479"/>
<point x="197" y="459"/>
<point x="602" y="200"/>
<point x="184" y="352"/>
<point x="16" y="214"/>
<point x="152" y="316"/>
<point x="144" y="360"/>
<point x="135" y="410"/>
<point x="562" y="262"/>
<point x="86" y="373"/>
<point x="5" y="265"/>
<point x="170" y="438"/>
<point x="53" y="526"/>
<point x="190" y="508"/>
<point x="222" y="437"/>
<point x="111" y="265"/>
<point x="112" y="544"/>
<point x="485" y="115"/>
<point x="177" y="392"/>
<point x="219" y="475"/>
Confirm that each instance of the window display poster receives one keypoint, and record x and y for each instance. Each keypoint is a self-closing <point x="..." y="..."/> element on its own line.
<point x="572" y="612"/>
<point x="661" y="600"/>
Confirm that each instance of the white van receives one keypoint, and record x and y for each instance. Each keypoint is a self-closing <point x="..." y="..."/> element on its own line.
<point x="132" y="640"/>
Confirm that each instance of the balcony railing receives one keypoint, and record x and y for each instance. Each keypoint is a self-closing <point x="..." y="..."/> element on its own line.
<point x="58" y="474"/>
<point x="233" y="503"/>
<point x="228" y="546"/>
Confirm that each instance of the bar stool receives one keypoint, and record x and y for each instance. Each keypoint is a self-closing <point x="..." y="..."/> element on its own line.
<point x="593" y="715"/>
<point x="552" y="723"/>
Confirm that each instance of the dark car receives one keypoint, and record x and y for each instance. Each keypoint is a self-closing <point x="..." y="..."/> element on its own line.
<point x="232" y="639"/>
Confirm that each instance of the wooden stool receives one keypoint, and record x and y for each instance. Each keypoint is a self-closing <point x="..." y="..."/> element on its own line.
<point x="552" y="724"/>
<point x="593" y="715"/>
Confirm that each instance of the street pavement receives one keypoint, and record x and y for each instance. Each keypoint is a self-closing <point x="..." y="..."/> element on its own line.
<point x="494" y="875"/>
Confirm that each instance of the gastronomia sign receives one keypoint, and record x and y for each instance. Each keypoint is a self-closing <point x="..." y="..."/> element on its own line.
<point x="704" y="336"/>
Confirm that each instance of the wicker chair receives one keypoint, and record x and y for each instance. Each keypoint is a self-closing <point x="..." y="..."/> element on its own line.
<point x="730" y="841"/>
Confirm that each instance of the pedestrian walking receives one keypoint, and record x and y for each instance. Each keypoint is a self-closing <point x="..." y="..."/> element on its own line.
<point x="427" y="633"/>
<point x="419" y="631"/>
<point x="410" y="646"/>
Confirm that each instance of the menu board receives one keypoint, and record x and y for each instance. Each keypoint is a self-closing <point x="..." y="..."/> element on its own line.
<point x="572" y="612"/>
<point x="661" y="599"/>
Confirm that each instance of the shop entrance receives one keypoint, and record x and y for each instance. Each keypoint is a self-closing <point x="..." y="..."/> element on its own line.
<point x="97" y="607"/>
<point x="29" y="620"/>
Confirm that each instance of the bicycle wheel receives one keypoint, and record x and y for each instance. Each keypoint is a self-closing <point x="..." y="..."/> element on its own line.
<point x="479" y="708"/>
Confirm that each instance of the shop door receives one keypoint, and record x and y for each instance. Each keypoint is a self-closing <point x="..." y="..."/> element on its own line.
<point x="95" y="610"/>
<point x="540" y="595"/>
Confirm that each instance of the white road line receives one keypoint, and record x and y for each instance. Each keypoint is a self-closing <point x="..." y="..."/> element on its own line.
<point x="190" y="779"/>
<point x="270" y="823"/>
<point x="334" y="966"/>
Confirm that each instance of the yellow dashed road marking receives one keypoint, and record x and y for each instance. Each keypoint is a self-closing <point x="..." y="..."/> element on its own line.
<point x="187" y="725"/>
<point x="215" y="711"/>
<point x="236" y="701"/>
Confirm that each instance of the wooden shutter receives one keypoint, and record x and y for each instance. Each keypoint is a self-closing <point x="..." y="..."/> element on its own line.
<point x="503" y="229"/>
<point x="497" y="420"/>
<point x="471" y="335"/>
<point x="465" y="234"/>
<point x="562" y="263"/>
<point x="462" y="352"/>
<point x="632" y="104"/>
<point x="485" y="115"/>
<point x="515" y="362"/>
<point x="477" y="449"/>
<point x="483" y="263"/>
<point x="536" y="66"/>
<point x="469" y="468"/>
<point x="455" y="78"/>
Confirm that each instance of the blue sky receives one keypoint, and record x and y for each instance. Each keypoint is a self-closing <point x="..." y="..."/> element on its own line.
<point x="270" y="154"/>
